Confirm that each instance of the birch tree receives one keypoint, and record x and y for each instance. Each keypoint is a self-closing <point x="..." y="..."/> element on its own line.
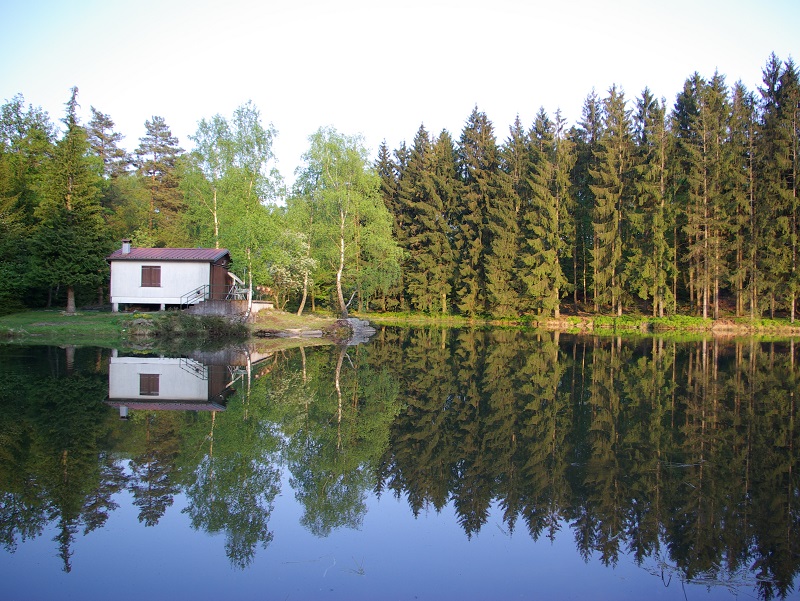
<point x="353" y="228"/>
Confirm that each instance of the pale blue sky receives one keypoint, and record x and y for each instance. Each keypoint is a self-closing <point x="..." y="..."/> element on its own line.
<point x="369" y="67"/>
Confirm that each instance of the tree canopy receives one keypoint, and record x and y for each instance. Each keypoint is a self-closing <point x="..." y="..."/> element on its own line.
<point x="645" y="205"/>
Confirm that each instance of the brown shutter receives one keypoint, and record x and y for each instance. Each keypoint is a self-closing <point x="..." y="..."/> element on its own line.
<point x="148" y="384"/>
<point x="151" y="276"/>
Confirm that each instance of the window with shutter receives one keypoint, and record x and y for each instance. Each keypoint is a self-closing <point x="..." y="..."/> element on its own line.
<point x="148" y="384"/>
<point x="151" y="276"/>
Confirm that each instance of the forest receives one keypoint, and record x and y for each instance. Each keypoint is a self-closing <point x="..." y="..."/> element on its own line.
<point x="688" y="207"/>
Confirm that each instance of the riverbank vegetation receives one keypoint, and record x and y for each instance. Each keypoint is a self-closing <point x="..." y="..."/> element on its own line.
<point x="644" y="206"/>
<point x="121" y="330"/>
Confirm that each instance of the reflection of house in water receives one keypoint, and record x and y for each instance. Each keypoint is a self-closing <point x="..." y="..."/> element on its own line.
<point x="153" y="383"/>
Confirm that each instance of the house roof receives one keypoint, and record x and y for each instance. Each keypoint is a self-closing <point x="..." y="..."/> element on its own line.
<point x="170" y="254"/>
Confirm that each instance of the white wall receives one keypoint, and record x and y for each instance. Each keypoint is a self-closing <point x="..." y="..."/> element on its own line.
<point x="177" y="279"/>
<point x="177" y="383"/>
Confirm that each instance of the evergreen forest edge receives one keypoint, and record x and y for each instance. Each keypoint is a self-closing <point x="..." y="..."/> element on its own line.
<point x="636" y="208"/>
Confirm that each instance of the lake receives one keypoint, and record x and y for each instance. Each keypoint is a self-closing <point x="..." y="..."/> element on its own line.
<point x="427" y="464"/>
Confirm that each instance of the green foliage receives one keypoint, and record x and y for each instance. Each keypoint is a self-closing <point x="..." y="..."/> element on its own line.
<point x="548" y="230"/>
<point x="344" y="218"/>
<point x="646" y="207"/>
<point x="156" y="162"/>
<point x="612" y="191"/>
<point x="179" y="325"/>
<point x="70" y="240"/>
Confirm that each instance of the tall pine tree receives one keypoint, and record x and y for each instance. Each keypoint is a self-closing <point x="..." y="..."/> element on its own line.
<point x="613" y="194"/>
<point x="650" y="265"/>
<point x="547" y="226"/>
<point x="157" y="157"/>
<point x="70" y="238"/>
<point x="477" y="163"/>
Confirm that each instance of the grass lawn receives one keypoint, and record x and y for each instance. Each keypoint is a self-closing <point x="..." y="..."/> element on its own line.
<point x="53" y="326"/>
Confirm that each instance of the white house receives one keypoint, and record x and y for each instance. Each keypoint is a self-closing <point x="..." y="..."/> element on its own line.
<point x="162" y="383"/>
<point x="169" y="276"/>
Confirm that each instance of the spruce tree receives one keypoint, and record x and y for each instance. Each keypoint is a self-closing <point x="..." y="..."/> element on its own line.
<point x="516" y="157"/>
<point x="548" y="230"/>
<point x="390" y="174"/>
<point x="585" y="138"/>
<point x="612" y="191"/>
<point x="487" y="236"/>
<point x="70" y="240"/>
<point x="414" y="191"/>
<point x="685" y="112"/>
<point x="706" y="214"/>
<point x="447" y="185"/>
<point x="746" y="224"/>
<point x="428" y="261"/>
<point x="477" y="162"/>
<point x="777" y="195"/>
<point x="650" y="265"/>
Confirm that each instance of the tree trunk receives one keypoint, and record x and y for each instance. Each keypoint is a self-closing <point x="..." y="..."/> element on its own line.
<point x="340" y="271"/>
<point x="70" y="300"/>
<point x="305" y="295"/>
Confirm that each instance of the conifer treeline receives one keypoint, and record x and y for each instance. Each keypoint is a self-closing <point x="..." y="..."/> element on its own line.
<point x="689" y="209"/>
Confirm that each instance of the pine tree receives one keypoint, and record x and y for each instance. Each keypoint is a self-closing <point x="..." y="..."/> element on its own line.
<point x="612" y="191"/>
<point x="778" y="167"/>
<point x="390" y="174"/>
<point x="705" y="210"/>
<point x="448" y="189"/>
<point x="487" y="231"/>
<point x="104" y="142"/>
<point x="515" y="161"/>
<point x="70" y="238"/>
<point x="740" y="187"/>
<point x="428" y="250"/>
<point x="548" y="231"/>
<point x="650" y="264"/>
<point x="585" y="138"/>
<point x="682" y="137"/>
<point x="157" y="157"/>
<point x="477" y="160"/>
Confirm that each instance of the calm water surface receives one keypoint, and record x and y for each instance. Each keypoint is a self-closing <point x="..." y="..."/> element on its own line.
<point x="427" y="464"/>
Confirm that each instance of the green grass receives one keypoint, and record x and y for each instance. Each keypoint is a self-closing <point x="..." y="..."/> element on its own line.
<point x="55" y="327"/>
<point x="124" y="330"/>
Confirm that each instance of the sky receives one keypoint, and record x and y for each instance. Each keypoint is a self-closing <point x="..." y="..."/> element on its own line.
<point x="375" y="68"/>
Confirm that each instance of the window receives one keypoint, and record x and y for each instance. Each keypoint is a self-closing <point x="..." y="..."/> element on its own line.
<point x="148" y="384"/>
<point x="151" y="276"/>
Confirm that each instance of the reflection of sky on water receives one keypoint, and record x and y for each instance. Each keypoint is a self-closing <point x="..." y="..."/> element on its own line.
<point x="392" y="556"/>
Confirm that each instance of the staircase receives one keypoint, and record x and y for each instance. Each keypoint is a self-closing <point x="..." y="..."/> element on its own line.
<point x="196" y="295"/>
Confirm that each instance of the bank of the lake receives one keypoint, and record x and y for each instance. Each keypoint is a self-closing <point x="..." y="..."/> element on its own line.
<point x="121" y="330"/>
<point x="604" y="324"/>
<point x="104" y="328"/>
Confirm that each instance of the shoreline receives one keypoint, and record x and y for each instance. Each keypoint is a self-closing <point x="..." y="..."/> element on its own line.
<point x="135" y="329"/>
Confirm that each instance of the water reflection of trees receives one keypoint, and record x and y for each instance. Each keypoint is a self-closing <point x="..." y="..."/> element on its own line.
<point x="682" y="454"/>
<point x="54" y="469"/>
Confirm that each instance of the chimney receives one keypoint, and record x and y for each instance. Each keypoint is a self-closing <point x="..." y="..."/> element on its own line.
<point x="126" y="246"/>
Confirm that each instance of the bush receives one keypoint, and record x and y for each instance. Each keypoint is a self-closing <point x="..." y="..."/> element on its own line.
<point x="178" y="324"/>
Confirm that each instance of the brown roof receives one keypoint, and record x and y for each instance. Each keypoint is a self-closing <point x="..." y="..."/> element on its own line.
<point x="170" y="254"/>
